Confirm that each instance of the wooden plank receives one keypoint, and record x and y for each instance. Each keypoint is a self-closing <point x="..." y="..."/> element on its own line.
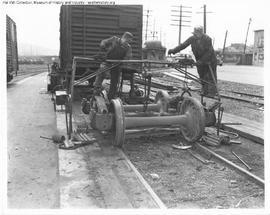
<point x="177" y="77"/>
<point x="249" y="129"/>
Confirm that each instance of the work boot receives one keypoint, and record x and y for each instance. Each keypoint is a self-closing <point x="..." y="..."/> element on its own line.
<point x="85" y="106"/>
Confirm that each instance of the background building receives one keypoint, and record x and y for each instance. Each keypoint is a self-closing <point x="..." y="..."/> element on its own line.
<point x="234" y="54"/>
<point x="258" y="51"/>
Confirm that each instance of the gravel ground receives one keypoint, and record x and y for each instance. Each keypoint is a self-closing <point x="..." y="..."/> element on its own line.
<point x="184" y="182"/>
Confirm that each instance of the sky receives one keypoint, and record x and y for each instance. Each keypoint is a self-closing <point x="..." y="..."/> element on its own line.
<point x="38" y="25"/>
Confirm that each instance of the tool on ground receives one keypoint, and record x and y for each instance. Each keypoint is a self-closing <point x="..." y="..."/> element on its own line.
<point x="235" y="142"/>
<point x="78" y="140"/>
<point x="216" y="140"/>
<point x="182" y="147"/>
<point x="256" y="179"/>
<point x="198" y="157"/>
<point x="188" y="148"/>
<point x="243" y="162"/>
<point x="56" y="138"/>
<point x="231" y="123"/>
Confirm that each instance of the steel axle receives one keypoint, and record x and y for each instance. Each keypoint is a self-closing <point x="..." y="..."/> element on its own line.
<point x="191" y="120"/>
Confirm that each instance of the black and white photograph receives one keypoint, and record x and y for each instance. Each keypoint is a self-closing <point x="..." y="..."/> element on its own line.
<point x="139" y="107"/>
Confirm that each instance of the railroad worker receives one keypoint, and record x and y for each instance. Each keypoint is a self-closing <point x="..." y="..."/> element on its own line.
<point x="116" y="49"/>
<point x="201" y="45"/>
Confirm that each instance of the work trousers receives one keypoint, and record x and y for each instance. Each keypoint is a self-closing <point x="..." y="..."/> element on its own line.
<point x="114" y="74"/>
<point x="209" y="86"/>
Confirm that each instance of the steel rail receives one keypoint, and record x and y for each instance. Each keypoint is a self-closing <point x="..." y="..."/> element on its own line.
<point x="30" y="72"/>
<point x="241" y="99"/>
<point x="155" y="197"/>
<point x="246" y="94"/>
<point x="255" y="178"/>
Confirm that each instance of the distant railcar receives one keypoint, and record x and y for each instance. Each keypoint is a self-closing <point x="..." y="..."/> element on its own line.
<point x="12" y="48"/>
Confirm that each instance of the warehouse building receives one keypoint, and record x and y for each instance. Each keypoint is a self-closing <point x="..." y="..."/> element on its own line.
<point x="258" y="50"/>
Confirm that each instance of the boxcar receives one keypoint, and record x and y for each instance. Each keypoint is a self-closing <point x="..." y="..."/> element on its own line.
<point x="83" y="27"/>
<point x="12" y="49"/>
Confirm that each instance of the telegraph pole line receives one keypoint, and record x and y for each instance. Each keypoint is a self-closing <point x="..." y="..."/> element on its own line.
<point x="224" y="44"/>
<point x="247" y="36"/>
<point x="204" y="17"/>
<point x="160" y="34"/>
<point x="180" y="25"/>
<point x="154" y="32"/>
<point x="180" y="20"/>
<point x="147" y="21"/>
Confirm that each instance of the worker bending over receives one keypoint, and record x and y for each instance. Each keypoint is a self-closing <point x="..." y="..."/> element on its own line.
<point x="116" y="49"/>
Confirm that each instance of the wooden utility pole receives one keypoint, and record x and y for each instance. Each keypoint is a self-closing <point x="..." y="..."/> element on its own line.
<point x="180" y="25"/>
<point x="204" y="17"/>
<point x="147" y="21"/>
<point x="180" y="20"/>
<point x="160" y="34"/>
<point x="154" y="32"/>
<point x="247" y="36"/>
<point x="224" y="44"/>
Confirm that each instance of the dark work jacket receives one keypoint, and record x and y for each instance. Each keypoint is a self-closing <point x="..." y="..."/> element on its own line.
<point x="201" y="47"/>
<point x="116" y="50"/>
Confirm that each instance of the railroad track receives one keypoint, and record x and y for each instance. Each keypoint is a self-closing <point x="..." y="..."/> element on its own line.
<point x="215" y="162"/>
<point x="102" y="163"/>
<point x="101" y="157"/>
<point x="114" y="179"/>
<point x="244" y="97"/>
<point x="25" y="73"/>
<point x="244" y="171"/>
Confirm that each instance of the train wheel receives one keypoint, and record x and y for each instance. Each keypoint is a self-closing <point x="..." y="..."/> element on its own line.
<point x="118" y="129"/>
<point x="194" y="128"/>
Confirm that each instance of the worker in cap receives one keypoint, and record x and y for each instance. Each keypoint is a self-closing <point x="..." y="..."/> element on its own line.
<point x="198" y="29"/>
<point x="202" y="48"/>
<point x="116" y="49"/>
<point x="128" y="35"/>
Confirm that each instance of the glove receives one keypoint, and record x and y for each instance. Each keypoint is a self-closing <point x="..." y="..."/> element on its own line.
<point x="198" y="63"/>
<point x="171" y="51"/>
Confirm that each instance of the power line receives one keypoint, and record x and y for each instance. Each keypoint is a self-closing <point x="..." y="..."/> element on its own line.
<point x="147" y="17"/>
<point x="224" y="44"/>
<point x="154" y="32"/>
<point x="204" y="17"/>
<point x="247" y="36"/>
<point x="180" y="20"/>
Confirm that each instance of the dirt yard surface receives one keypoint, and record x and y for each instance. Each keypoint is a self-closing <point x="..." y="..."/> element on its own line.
<point x="184" y="182"/>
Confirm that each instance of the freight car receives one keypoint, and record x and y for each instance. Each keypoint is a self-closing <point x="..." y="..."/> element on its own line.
<point x="83" y="27"/>
<point x="12" y="49"/>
